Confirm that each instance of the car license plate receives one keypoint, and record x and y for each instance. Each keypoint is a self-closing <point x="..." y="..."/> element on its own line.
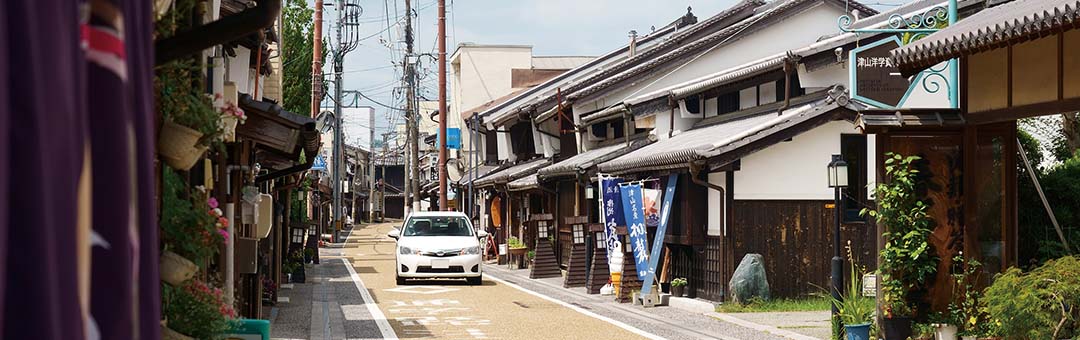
<point x="440" y="264"/>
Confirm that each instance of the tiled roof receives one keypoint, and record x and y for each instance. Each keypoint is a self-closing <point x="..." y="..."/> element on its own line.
<point x="1011" y="23"/>
<point x="710" y="141"/>
<point x="582" y="161"/>
<point x="524" y="183"/>
<point x="511" y="173"/>
<point x="481" y="171"/>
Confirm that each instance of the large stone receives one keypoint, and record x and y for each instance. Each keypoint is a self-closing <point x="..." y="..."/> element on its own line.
<point x="749" y="280"/>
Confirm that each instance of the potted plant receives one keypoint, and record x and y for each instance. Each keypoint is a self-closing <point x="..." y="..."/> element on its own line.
<point x="190" y="124"/>
<point x="517" y="249"/>
<point x="231" y="116"/>
<point x="906" y="261"/>
<point x="191" y="230"/>
<point x="531" y="255"/>
<point x="677" y="286"/>
<point x="855" y="311"/>
<point x="294" y="267"/>
<point x="195" y="310"/>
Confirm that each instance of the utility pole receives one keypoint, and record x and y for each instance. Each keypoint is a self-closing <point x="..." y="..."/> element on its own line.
<point x="316" y="61"/>
<point x="385" y="156"/>
<point x="412" y="177"/>
<point x="371" y="168"/>
<point x="413" y="115"/>
<point x="347" y="39"/>
<point x="442" y="105"/>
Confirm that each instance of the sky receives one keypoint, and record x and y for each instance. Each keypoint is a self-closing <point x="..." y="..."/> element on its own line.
<point x="552" y="27"/>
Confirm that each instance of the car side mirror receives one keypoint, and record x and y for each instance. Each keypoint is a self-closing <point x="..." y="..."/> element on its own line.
<point x="394" y="233"/>
<point x="481" y="234"/>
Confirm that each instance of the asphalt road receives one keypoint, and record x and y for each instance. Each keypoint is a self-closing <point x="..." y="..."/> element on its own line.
<point x="450" y="309"/>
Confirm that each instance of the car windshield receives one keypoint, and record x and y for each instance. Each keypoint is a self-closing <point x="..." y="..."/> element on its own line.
<point x="437" y="226"/>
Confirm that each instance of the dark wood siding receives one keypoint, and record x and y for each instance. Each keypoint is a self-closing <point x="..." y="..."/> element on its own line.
<point x="795" y="238"/>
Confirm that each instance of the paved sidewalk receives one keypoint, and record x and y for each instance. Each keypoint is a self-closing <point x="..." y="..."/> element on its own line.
<point x="813" y="325"/>
<point x="668" y="322"/>
<point x="327" y="306"/>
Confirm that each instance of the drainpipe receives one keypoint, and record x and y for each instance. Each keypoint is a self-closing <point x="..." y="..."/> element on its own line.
<point x="230" y="245"/>
<point x="218" y="32"/>
<point x="695" y="169"/>
<point x="789" y="67"/>
<point x="626" y="126"/>
<point x="671" y="120"/>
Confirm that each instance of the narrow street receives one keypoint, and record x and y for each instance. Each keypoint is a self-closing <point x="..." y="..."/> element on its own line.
<point x="333" y="304"/>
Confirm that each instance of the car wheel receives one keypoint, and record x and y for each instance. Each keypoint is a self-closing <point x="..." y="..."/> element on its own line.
<point x="400" y="280"/>
<point x="475" y="281"/>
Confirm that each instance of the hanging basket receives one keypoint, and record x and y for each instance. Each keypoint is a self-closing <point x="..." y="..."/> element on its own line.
<point x="228" y="127"/>
<point x="176" y="269"/>
<point x="169" y="334"/>
<point x="179" y="145"/>
<point x="161" y="7"/>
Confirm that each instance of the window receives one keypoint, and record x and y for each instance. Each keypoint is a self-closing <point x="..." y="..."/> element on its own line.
<point x="437" y="226"/>
<point x="579" y="234"/>
<point x="601" y="242"/>
<point x="853" y="149"/>
<point x="728" y="102"/>
<point x="542" y="229"/>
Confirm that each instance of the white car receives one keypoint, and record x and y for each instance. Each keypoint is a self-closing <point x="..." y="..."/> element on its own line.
<point x="438" y="244"/>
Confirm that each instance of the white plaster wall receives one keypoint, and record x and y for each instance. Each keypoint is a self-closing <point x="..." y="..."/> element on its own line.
<point x="920" y="97"/>
<point x="796" y="30"/>
<point x="238" y="70"/>
<point x="794" y="169"/>
<point x="717" y="225"/>
<point x="504" y="146"/>
<point x="823" y="77"/>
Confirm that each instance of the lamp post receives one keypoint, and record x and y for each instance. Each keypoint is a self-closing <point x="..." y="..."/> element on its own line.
<point x="838" y="179"/>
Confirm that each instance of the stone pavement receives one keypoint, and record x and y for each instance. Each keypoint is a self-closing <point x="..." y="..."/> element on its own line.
<point x="327" y="306"/>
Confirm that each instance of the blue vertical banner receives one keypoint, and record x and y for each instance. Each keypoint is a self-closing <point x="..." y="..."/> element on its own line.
<point x="612" y="214"/>
<point x="635" y="225"/>
<point x="661" y="230"/>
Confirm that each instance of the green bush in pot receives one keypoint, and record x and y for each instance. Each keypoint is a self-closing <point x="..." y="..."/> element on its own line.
<point x="907" y="260"/>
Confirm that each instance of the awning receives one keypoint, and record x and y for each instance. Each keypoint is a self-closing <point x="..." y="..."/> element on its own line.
<point x="525" y="183"/>
<point x="280" y="137"/>
<point x="715" y="140"/>
<point x="609" y="112"/>
<point x="1004" y="25"/>
<point x="588" y="159"/>
<point x="480" y="171"/>
<point x="873" y="120"/>
<point x="511" y="173"/>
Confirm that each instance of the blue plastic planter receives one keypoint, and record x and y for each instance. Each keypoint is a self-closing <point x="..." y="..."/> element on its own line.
<point x="858" y="332"/>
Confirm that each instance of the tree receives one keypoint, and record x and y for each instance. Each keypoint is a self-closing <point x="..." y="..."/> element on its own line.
<point x="296" y="54"/>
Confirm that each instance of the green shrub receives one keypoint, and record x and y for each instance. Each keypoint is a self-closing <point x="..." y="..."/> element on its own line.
<point x="197" y="310"/>
<point x="514" y="243"/>
<point x="189" y="225"/>
<point x="1041" y="304"/>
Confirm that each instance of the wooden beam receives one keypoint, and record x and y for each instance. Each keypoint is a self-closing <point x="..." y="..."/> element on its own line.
<point x="1024" y="111"/>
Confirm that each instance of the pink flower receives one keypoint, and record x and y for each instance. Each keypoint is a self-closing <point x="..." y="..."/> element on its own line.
<point x="223" y="221"/>
<point x="224" y="234"/>
<point x="212" y="202"/>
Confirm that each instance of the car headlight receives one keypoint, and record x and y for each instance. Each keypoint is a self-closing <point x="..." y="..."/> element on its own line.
<point x="470" y="250"/>
<point x="404" y="250"/>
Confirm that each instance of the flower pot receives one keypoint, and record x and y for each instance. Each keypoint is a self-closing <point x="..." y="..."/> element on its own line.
<point x="161" y="7"/>
<point x="176" y="269"/>
<point x="169" y="334"/>
<point x="179" y="145"/>
<point x="968" y="337"/>
<point x="228" y="127"/>
<point x="665" y="288"/>
<point x="897" y="328"/>
<point x="677" y="291"/>
<point x="858" y="332"/>
<point x="945" y="332"/>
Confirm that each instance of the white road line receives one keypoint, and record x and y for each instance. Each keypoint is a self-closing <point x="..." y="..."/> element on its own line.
<point x="380" y="319"/>
<point x="617" y="323"/>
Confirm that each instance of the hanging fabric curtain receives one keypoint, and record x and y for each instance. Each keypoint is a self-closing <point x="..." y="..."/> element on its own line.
<point x="78" y="226"/>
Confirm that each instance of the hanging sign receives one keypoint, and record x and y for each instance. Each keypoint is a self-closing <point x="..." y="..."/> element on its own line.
<point x="319" y="163"/>
<point x="612" y="214"/>
<point x="661" y="230"/>
<point x="876" y="77"/>
<point x="635" y="225"/>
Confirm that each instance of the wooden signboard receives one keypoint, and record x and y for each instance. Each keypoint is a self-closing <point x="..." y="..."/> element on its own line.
<point x="576" y="267"/>
<point x="544" y="263"/>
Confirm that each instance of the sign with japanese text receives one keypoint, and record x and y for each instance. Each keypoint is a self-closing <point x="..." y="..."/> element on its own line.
<point x="612" y="215"/>
<point x="661" y="229"/>
<point x="877" y="78"/>
<point x="635" y="226"/>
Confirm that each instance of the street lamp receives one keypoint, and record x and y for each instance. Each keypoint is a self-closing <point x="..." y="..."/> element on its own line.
<point x="838" y="179"/>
